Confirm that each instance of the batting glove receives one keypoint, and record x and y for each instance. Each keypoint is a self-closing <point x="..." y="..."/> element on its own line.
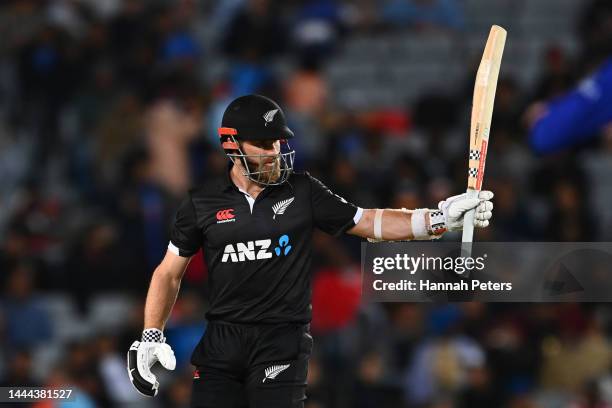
<point x="143" y="355"/>
<point x="455" y="207"/>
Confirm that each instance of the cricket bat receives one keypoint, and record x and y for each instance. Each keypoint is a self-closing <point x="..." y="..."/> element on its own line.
<point x="480" y="126"/>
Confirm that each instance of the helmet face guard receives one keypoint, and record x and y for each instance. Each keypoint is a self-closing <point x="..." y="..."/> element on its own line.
<point x="263" y="169"/>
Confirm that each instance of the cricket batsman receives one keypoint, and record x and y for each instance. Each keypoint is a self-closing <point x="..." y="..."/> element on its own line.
<point x="255" y="227"/>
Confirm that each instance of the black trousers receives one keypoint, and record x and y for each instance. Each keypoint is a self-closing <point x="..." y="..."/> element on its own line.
<point x="251" y="366"/>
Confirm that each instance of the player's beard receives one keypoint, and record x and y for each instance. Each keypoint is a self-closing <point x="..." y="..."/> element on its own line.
<point x="262" y="172"/>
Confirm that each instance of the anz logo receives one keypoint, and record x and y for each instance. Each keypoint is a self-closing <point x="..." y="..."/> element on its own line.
<point x="252" y="250"/>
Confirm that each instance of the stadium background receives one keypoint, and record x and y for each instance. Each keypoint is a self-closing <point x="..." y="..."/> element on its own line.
<point x="108" y="113"/>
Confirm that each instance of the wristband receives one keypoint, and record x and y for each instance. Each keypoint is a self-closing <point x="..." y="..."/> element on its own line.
<point x="153" y="336"/>
<point x="418" y="224"/>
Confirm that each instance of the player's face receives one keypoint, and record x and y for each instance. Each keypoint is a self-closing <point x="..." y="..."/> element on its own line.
<point x="263" y="159"/>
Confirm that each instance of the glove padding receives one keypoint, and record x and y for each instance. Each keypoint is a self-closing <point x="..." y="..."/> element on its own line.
<point x="455" y="207"/>
<point x="141" y="357"/>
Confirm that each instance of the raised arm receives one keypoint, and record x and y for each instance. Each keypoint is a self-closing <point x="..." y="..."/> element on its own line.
<point x="423" y="224"/>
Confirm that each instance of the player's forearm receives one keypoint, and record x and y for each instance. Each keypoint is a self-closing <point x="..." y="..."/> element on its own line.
<point x="396" y="225"/>
<point x="422" y="223"/>
<point x="161" y="297"/>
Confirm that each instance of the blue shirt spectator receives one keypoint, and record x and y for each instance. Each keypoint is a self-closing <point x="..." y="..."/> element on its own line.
<point x="27" y="323"/>
<point x="577" y="116"/>
<point x="442" y="13"/>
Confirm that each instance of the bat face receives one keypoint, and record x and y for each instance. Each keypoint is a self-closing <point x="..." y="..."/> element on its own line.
<point x="482" y="105"/>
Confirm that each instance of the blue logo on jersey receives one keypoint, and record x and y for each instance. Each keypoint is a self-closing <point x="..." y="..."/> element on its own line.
<point x="283" y="242"/>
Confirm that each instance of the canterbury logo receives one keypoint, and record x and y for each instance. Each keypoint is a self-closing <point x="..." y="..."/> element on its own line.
<point x="269" y="116"/>
<point x="280" y="207"/>
<point x="273" y="371"/>
<point x="225" y="216"/>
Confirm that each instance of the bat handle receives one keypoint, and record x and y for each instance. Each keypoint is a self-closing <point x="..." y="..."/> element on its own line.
<point x="468" y="225"/>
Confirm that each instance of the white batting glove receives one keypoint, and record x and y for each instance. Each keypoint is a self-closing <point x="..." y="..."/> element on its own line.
<point x="143" y="355"/>
<point x="455" y="207"/>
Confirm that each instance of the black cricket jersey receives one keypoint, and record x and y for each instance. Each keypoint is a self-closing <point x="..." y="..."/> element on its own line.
<point x="258" y="252"/>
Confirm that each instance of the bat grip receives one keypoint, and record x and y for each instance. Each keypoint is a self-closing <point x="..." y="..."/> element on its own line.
<point x="468" y="226"/>
<point x="468" y="218"/>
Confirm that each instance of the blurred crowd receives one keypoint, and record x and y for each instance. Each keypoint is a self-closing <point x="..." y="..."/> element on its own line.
<point x="108" y="114"/>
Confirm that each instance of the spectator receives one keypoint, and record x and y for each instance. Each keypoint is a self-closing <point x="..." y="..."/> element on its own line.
<point x="19" y="370"/>
<point x="317" y="26"/>
<point x="424" y="14"/>
<point x="442" y="362"/>
<point x="372" y="389"/>
<point x="27" y="322"/>
<point x="255" y="33"/>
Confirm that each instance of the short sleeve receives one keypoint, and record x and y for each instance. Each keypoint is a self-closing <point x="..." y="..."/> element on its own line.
<point x="185" y="236"/>
<point x="331" y="213"/>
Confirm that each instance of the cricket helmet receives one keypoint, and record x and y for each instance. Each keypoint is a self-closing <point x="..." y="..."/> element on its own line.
<point x="256" y="117"/>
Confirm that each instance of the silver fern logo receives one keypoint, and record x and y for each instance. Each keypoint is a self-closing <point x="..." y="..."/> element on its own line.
<point x="280" y="207"/>
<point x="273" y="371"/>
<point x="269" y="116"/>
